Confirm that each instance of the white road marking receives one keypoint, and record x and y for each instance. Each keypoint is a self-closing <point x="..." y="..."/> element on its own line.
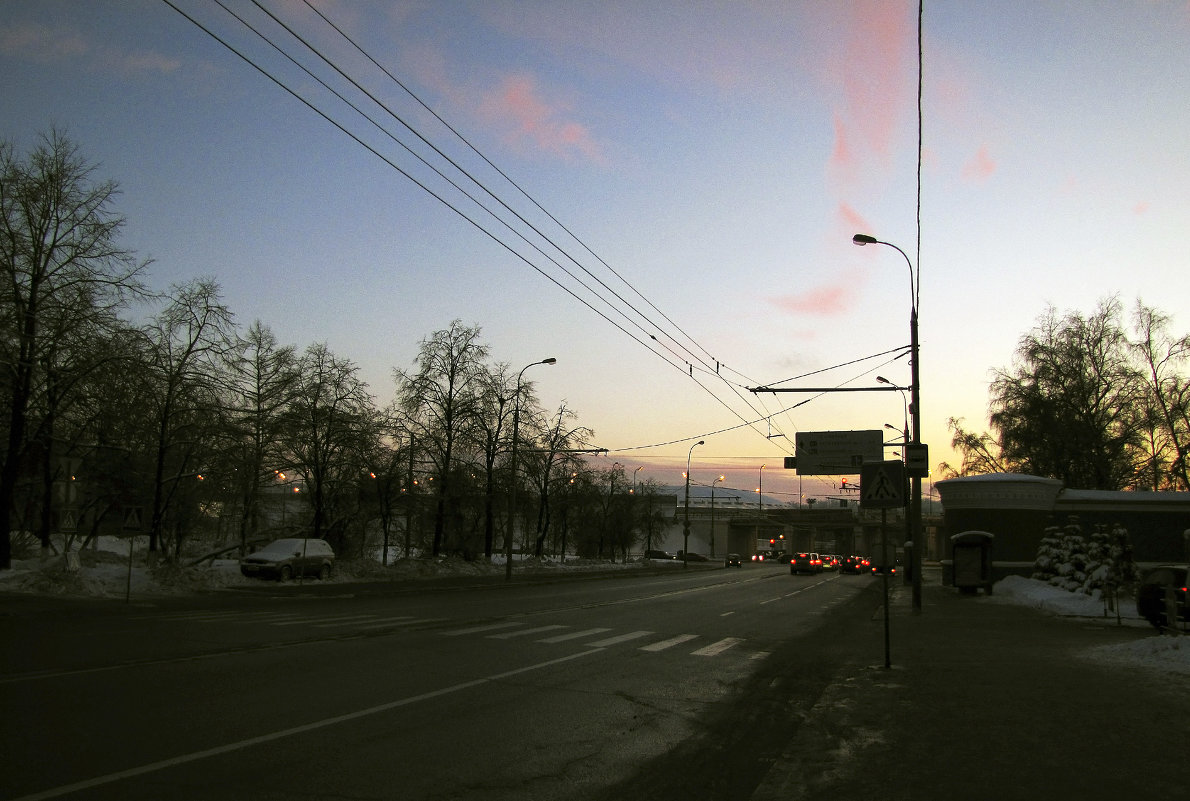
<point x="632" y="635"/>
<point x="479" y="629"/>
<point x="574" y="635"/>
<point x="508" y="635"/>
<point x="714" y="649"/>
<point x="670" y="643"/>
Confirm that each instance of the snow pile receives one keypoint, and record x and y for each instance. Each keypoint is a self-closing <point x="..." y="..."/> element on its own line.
<point x="1169" y="652"/>
<point x="1055" y="600"/>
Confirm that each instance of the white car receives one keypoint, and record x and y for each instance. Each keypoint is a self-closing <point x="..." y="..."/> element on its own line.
<point x="295" y="556"/>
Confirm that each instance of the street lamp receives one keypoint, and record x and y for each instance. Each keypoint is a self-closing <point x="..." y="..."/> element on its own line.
<point x="516" y="424"/>
<point x="760" y="492"/>
<point x="634" y="472"/>
<point x="686" y="523"/>
<point x="713" y="483"/>
<point x="914" y="446"/>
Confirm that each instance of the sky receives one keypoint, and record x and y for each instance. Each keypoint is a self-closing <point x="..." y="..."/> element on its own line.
<point x="679" y="184"/>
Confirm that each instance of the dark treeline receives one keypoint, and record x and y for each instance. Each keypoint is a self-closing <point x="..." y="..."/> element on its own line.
<point x="188" y="428"/>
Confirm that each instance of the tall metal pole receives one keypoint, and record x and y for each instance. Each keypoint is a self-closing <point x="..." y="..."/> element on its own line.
<point x="915" y="411"/>
<point x="516" y="423"/>
<point x="686" y="523"/>
<point x="713" y="483"/>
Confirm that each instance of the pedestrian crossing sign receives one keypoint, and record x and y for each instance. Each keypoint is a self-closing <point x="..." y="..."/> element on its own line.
<point x="882" y="485"/>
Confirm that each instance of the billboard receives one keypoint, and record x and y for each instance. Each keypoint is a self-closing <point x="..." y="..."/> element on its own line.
<point x="837" y="453"/>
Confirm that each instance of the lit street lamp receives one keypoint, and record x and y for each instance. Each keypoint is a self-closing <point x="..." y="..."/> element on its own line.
<point x="914" y="446"/>
<point x="686" y="523"/>
<point x="516" y="423"/>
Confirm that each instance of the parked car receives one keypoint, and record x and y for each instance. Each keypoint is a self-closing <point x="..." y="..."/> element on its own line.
<point x="733" y="560"/>
<point x="1150" y="594"/>
<point x="691" y="557"/>
<point x="803" y="562"/>
<point x="286" y="558"/>
<point x="653" y="554"/>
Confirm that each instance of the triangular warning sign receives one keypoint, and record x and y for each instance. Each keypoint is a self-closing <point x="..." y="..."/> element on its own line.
<point x="882" y="485"/>
<point x="134" y="518"/>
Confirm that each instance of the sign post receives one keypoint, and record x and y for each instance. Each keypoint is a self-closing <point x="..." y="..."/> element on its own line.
<point x="882" y="486"/>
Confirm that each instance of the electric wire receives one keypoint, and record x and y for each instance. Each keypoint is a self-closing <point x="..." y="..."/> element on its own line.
<point x="702" y="366"/>
<point x="412" y="178"/>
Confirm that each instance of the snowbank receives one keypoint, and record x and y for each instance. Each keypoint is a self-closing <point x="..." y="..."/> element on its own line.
<point x="1169" y="652"/>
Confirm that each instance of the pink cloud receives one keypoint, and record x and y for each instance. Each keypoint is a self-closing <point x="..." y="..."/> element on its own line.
<point x="853" y="221"/>
<point x="825" y="301"/>
<point x="840" y="153"/>
<point x="1141" y="208"/>
<point x="980" y="167"/>
<point x="520" y="107"/>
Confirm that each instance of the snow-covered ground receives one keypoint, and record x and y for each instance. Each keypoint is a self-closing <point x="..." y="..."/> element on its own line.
<point x="104" y="573"/>
<point x="1169" y="652"/>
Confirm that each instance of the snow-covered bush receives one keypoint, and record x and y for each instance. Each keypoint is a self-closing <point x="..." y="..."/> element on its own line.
<point x="1066" y="558"/>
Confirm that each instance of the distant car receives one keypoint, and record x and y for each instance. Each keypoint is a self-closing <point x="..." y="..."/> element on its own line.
<point x="286" y="558"/>
<point x="691" y="557"/>
<point x="1151" y="595"/>
<point x="652" y="554"/>
<point x="733" y="560"/>
<point x="856" y="564"/>
<point x="804" y="562"/>
<point x="890" y="569"/>
<point x="830" y="561"/>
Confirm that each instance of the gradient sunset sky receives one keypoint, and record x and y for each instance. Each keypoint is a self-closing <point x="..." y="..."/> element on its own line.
<point x="712" y="159"/>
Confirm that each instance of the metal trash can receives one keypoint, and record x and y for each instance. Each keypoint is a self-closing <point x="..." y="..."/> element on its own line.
<point x="971" y="554"/>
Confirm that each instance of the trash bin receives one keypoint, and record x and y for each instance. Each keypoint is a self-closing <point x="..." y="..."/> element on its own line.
<point x="971" y="555"/>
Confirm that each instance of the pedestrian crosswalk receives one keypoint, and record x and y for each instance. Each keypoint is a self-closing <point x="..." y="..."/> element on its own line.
<point x="601" y="637"/>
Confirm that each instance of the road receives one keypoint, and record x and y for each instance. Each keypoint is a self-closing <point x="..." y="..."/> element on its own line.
<point x="685" y="684"/>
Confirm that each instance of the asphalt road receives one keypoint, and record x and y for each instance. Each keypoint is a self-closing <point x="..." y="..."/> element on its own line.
<point x="680" y="685"/>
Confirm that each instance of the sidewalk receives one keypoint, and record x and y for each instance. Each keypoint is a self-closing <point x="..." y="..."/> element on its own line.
<point x="986" y="700"/>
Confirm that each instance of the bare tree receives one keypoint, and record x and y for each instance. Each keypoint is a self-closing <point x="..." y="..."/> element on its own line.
<point x="262" y="377"/>
<point x="187" y="340"/>
<point x="328" y="420"/>
<point x="493" y="414"/>
<point x="441" y="397"/>
<point x="553" y="444"/>
<point x="62" y="264"/>
<point x="1068" y="407"/>
<point x="1161" y="355"/>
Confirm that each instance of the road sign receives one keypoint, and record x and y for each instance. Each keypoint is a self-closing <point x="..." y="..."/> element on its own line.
<point x="837" y="453"/>
<point x="917" y="459"/>
<point x="882" y="485"/>
<point x="134" y="517"/>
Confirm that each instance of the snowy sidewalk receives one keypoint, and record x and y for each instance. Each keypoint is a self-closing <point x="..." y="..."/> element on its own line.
<point x="990" y="699"/>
